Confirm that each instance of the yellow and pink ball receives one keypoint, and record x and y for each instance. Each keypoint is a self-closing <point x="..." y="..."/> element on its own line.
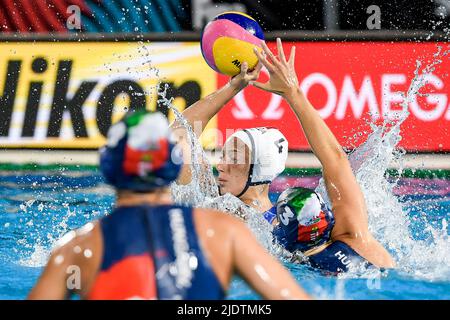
<point x="228" y="41"/>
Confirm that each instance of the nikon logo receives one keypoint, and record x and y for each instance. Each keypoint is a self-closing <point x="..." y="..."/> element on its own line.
<point x="62" y="103"/>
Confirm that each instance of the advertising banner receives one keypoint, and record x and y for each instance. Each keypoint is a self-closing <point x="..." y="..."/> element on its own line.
<point x="67" y="94"/>
<point x="353" y="85"/>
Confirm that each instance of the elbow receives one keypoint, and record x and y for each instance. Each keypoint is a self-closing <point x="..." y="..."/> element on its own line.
<point x="336" y="159"/>
<point x="338" y="151"/>
<point x="335" y="155"/>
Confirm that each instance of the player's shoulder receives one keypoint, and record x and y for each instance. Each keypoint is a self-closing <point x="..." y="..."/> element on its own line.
<point x="78" y="239"/>
<point x="215" y="215"/>
<point x="219" y="219"/>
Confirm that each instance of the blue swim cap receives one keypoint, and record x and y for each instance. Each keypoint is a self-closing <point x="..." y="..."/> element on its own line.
<point x="140" y="153"/>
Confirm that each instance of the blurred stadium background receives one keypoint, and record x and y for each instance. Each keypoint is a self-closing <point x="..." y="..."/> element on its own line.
<point x="184" y="15"/>
<point x="69" y="68"/>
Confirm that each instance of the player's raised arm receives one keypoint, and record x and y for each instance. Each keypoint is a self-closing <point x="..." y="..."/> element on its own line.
<point x="200" y="113"/>
<point x="343" y="189"/>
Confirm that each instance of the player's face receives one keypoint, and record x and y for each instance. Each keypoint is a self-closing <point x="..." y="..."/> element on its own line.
<point x="233" y="167"/>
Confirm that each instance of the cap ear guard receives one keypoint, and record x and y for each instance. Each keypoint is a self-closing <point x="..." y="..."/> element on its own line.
<point x="111" y="159"/>
<point x="272" y="155"/>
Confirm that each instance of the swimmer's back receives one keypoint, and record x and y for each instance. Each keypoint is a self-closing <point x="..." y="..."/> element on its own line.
<point x="152" y="252"/>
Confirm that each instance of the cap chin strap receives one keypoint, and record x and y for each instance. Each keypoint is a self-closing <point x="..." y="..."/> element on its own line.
<point x="249" y="183"/>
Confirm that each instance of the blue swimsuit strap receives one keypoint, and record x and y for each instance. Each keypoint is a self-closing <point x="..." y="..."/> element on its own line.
<point x="271" y="214"/>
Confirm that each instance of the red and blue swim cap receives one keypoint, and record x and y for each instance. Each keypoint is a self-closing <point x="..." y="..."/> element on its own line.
<point x="140" y="153"/>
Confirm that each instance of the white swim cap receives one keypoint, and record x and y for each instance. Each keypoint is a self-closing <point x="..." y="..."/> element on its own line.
<point x="269" y="151"/>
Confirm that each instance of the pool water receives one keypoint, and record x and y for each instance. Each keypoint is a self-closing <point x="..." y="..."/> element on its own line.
<point x="38" y="207"/>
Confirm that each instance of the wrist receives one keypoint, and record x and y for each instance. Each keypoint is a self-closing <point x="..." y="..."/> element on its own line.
<point x="293" y="94"/>
<point x="237" y="86"/>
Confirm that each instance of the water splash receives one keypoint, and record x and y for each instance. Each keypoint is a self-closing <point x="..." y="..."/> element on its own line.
<point x="202" y="185"/>
<point x="46" y="213"/>
<point x="38" y="243"/>
<point x="38" y="257"/>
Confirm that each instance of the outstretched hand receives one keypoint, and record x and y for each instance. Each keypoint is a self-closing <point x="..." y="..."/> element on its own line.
<point x="245" y="76"/>
<point x="283" y="78"/>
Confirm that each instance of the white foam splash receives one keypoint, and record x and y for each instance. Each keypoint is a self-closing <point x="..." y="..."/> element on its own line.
<point x="40" y="245"/>
<point x="38" y="257"/>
